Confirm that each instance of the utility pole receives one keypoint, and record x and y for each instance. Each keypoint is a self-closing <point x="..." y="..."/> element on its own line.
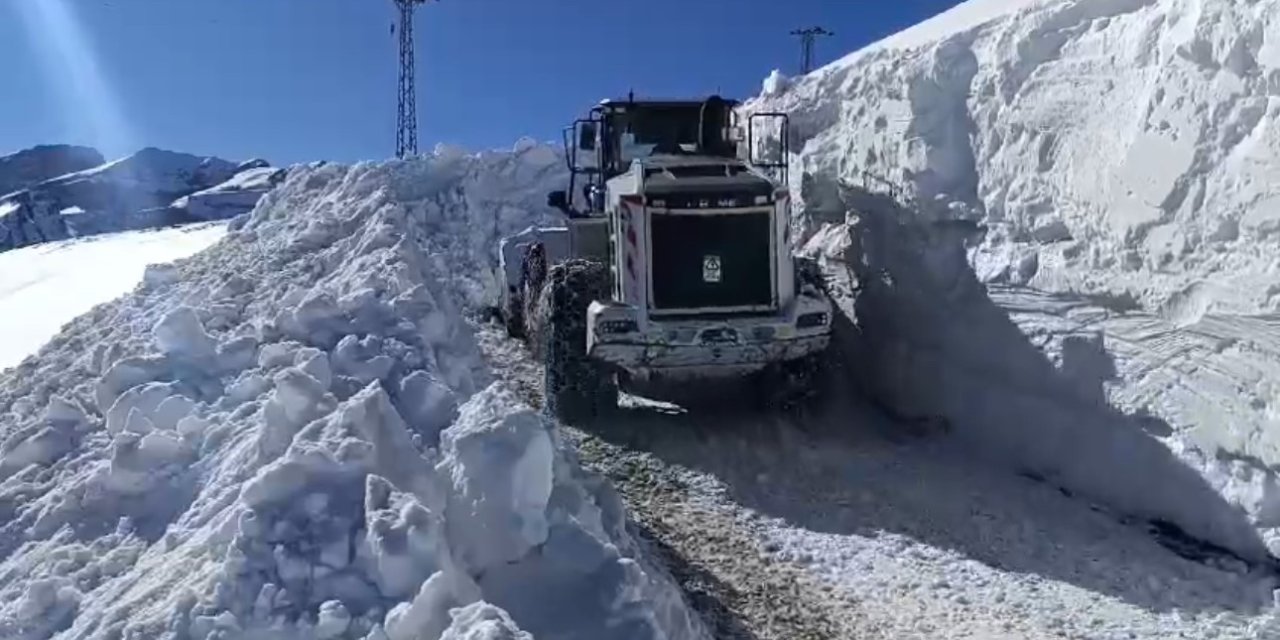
<point x="407" y="107"/>
<point x="807" y="37"/>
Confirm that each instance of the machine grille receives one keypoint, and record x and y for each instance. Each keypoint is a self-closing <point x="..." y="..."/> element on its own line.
<point x="708" y="261"/>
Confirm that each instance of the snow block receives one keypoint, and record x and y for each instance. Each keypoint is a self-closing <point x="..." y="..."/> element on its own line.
<point x="427" y="404"/>
<point x="181" y="335"/>
<point x="298" y="399"/>
<point x="499" y="463"/>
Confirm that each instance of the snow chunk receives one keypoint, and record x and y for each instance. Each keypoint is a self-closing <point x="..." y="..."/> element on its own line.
<point x="775" y="83"/>
<point x="482" y="621"/>
<point x="429" y="612"/>
<point x="333" y="621"/>
<point x="427" y="403"/>
<point x="180" y="334"/>
<point x="298" y="399"/>
<point x="498" y="459"/>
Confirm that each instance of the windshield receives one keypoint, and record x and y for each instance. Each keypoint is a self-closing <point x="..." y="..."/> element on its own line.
<point x="657" y="130"/>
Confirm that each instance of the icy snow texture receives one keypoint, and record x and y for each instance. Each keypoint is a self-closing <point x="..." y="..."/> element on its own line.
<point x="1119" y="157"/>
<point x="43" y="287"/>
<point x="292" y="435"/>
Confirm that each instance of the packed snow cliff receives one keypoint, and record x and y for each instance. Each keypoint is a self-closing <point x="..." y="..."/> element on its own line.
<point x="1109" y="168"/>
<point x="292" y="434"/>
<point x="150" y="188"/>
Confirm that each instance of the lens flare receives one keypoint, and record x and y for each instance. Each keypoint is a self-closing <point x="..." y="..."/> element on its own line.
<point x="73" y="74"/>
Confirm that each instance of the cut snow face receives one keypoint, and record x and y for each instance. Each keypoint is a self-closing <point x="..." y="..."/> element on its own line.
<point x="292" y="434"/>
<point x="44" y="287"/>
<point x="1102" y="165"/>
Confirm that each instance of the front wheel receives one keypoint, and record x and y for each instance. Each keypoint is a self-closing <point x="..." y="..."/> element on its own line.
<point x="802" y="385"/>
<point x="577" y="388"/>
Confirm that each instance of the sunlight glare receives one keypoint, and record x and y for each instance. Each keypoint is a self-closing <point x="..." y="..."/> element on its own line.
<point x="73" y="72"/>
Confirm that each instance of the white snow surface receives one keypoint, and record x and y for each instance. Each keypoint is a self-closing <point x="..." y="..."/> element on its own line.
<point x="45" y="286"/>
<point x="292" y="435"/>
<point x="1109" y="167"/>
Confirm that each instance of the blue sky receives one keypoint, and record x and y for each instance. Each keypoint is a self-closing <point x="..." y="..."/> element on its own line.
<point x="300" y="80"/>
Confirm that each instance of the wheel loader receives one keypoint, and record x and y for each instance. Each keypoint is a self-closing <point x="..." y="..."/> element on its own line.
<point x="673" y="265"/>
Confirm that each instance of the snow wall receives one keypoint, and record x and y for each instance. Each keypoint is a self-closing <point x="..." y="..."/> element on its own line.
<point x="1108" y="169"/>
<point x="292" y="434"/>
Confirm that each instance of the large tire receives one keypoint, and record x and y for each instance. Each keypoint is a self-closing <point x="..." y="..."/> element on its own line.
<point x="513" y="316"/>
<point x="795" y="386"/>
<point x="803" y="385"/>
<point x="577" y="388"/>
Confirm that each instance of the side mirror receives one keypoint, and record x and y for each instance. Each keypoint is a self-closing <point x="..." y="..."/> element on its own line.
<point x="558" y="200"/>
<point x="587" y="136"/>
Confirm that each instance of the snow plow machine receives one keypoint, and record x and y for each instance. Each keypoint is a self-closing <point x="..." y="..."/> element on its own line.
<point x="674" y="265"/>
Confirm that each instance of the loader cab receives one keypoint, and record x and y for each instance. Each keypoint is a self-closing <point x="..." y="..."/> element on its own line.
<point x="618" y="132"/>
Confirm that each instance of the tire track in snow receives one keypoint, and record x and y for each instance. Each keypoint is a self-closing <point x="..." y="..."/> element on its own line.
<point x="725" y="571"/>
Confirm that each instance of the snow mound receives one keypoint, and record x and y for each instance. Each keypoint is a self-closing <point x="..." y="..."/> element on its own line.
<point x="1051" y="222"/>
<point x="292" y="434"/>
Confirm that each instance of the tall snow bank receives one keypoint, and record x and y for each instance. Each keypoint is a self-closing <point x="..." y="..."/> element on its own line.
<point x="1111" y="157"/>
<point x="926" y="339"/>
<point x="292" y="435"/>
<point x="1124" y="145"/>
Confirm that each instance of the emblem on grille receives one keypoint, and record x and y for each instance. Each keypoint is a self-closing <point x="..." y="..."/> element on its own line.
<point x="711" y="269"/>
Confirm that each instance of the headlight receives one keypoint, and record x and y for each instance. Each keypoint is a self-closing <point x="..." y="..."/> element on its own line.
<point x="616" y="326"/>
<point x="811" y="320"/>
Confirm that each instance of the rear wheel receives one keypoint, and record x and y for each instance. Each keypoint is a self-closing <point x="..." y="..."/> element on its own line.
<point x="577" y="388"/>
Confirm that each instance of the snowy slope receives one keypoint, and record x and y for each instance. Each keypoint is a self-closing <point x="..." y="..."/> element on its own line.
<point x="1113" y="165"/>
<point x="133" y="192"/>
<point x="292" y="435"/>
<point x="46" y="286"/>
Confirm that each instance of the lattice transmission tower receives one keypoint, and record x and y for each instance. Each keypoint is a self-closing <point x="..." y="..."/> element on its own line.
<point x="407" y="104"/>
<point x="807" y="38"/>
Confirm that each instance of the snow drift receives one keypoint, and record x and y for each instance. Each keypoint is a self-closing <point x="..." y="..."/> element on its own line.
<point x="292" y="434"/>
<point x="134" y="192"/>
<point x="1107" y="166"/>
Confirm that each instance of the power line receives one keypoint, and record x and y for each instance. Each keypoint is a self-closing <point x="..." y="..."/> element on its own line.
<point x="407" y="104"/>
<point x="807" y="38"/>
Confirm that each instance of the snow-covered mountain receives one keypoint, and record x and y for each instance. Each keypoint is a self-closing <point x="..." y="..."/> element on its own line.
<point x="235" y="196"/>
<point x="147" y="189"/>
<point x="1111" y="169"/>
<point x="35" y="165"/>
